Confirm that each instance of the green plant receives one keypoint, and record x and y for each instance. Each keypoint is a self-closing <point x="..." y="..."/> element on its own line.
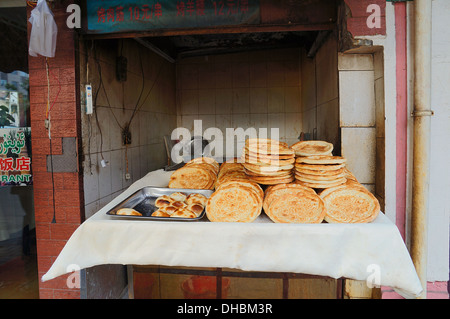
<point x="5" y="118"/>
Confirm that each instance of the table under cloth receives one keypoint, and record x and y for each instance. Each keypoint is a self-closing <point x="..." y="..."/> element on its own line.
<point x="373" y="252"/>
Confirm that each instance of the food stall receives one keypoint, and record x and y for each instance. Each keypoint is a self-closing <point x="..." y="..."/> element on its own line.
<point x="261" y="66"/>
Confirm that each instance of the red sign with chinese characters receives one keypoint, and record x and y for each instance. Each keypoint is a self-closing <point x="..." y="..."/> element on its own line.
<point x="15" y="164"/>
<point x="140" y="15"/>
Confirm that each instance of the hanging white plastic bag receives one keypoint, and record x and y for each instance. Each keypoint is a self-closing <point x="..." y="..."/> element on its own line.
<point x="43" y="31"/>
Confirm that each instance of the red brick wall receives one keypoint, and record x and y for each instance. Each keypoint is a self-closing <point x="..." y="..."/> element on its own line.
<point x="65" y="122"/>
<point x="357" y="21"/>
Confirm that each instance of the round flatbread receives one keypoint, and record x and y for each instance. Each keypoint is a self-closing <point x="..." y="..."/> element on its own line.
<point x="265" y="162"/>
<point x="274" y="191"/>
<point x="264" y="156"/>
<point x="321" y="159"/>
<point x="268" y="146"/>
<point x="297" y="207"/>
<point x="266" y="169"/>
<point x="321" y="185"/>
<point x="269" y="173"/>
<point x="247" y="183"/>
<point x="319" y="167"/>
<point x="350" y="204"/>
<point x="305" y="171"/>
<point x="266" y="180"/>
<point x="320" y="179"/>
<point x="194" y="176"/>
<point x="310" y="148"/>
<point x="234" y="203"/>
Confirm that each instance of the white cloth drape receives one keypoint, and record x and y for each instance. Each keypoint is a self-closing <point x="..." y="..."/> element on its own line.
<point x="373" y="252"/>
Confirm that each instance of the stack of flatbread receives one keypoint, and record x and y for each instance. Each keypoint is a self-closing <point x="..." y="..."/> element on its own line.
<point x="231" y="170"/>
<point x="268" y="162"/>
<point x="293" y="203"/>
<point x="235" y="201"/>
<point x="320" y="171"/>
<point x="350" y="202"/>
<point x="199" y="173"/>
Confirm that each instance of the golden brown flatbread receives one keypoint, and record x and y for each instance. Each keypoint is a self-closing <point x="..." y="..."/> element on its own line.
<point x="304" y="171"/>
<point x="309" y="148"/>
<point x="234" y="203"/>
<point x="350" y="204"/>
<point x="208" y="161"/>
<point x="267" y="180"/>
<point x="280" y="189"/>
<point x="276" y="156"/>
<point x="321" y="184"/>
<point x="296" y="207"/>
<point x="194" y="176"/>
<point x="268" y="146"/>
<point x="321" y="159"/>
<point x="319" y="167"/>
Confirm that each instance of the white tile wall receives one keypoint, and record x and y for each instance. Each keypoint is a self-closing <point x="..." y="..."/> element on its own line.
<point x="251" y="89"/>
<point x="359" y="148"/>
<point x="357" y="98"/>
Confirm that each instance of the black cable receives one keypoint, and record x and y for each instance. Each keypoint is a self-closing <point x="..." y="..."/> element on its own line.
<point x="53" y="182"/>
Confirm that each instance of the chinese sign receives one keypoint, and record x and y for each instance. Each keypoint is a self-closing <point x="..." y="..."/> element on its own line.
<point x="140" y="15"/>
<point x="15" y="164"/>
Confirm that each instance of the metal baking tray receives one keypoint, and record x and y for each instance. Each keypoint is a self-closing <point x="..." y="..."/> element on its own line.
<point x="144" y="202"/>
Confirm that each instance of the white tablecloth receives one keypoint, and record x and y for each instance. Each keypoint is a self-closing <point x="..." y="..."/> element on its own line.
<point x="356" y="251"/>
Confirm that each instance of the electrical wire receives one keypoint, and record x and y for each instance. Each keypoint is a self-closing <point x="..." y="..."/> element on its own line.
<point x="48" y="126"/>
<point x="50" y="107"/>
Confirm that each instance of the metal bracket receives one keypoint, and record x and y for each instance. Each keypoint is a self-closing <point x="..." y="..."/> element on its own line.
<point x="422" y="113"/>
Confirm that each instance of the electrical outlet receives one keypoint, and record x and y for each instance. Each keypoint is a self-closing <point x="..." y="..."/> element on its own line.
<point x="127" y="176"/>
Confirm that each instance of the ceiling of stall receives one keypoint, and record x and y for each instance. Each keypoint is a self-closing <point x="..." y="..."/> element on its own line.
<point x="209" y="44"/>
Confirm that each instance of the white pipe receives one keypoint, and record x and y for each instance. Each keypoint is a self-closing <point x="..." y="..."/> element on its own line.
<point x="421" y="144"/>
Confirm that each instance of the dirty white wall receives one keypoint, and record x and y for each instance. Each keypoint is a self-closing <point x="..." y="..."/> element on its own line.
<point x="439" y="204"/>
<point x="155" y="117"/>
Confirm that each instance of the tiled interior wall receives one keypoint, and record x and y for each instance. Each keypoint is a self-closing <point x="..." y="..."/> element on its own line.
<point x="320" y="94"/>
<point x="155" y="117"/>
<point x="361" y="99"/>
<point x="380" y="170"/>
<point x="257" y="89"/>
